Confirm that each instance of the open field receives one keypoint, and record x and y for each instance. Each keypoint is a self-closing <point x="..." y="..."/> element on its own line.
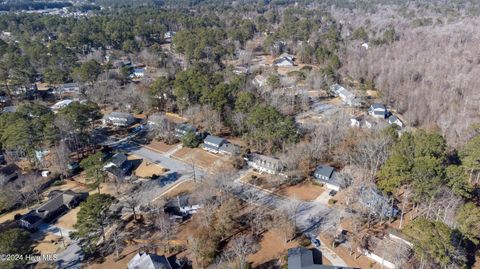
<point x="305" y="191"/>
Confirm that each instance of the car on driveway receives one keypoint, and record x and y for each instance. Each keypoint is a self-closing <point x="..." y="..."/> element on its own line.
<point x="315" y="242"/>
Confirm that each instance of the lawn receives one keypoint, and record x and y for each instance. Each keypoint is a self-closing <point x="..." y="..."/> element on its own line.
<point x="198" y="156"/>
<point x="50" y="244"/>
<point x="68" y="220"/>
<point x="305" y="191"/>
<point x="147" y="169"/>
<point x="272" y="247"/>
<point x="160" y="146"/>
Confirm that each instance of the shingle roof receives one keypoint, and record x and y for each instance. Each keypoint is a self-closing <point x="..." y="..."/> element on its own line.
<point x="324" y="170"/>
<point x="119" y="159"/>
<point x="214" y="140"/>
<point x="378" y="106"/>
<point x="148" y="261"/>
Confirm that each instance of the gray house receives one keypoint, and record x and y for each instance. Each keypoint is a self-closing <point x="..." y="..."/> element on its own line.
<point x="118" y="166"/>
<point x="213" y="143"/>
<point x="302" y="258"/>
<point x="149" y="261"/>
<point x="326" y="175"/>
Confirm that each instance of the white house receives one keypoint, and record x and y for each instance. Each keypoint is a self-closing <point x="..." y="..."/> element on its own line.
<point x="138" y="73"/>
<point x="378" y="111"/>
<point x="326" y="174"/>
<point x="213" y="143"/>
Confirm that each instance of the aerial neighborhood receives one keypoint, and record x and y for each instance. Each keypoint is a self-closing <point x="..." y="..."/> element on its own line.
<point x="239" y="134"/>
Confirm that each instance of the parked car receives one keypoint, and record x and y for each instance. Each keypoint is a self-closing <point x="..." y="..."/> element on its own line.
<point x="315" y="242"/>
<point x="332" y="193"/>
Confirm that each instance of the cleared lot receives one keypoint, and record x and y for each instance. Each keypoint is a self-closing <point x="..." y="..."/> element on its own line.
<point x="198" y="156"/>
<point x="305" y="191"/>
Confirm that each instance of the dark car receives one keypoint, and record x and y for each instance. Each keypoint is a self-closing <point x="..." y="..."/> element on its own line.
<point x="332" y="193"/>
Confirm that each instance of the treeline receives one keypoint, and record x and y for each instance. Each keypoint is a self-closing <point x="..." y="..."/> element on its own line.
<point x="32" y="5"/>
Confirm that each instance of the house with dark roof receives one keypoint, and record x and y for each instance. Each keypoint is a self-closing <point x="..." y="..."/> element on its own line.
<point x="264" y="164"/>
<point x="302" y="258"/>
<point x="145" y="260"/>
<point x="118" y="166"/>
<point x="58" y="203"/>
<point x="378" y="111"/>
<point x="68" y="88"/>
<point x="213" y="143"/>
<point x="8" y="173"/>
<point x="183" y="129"/>
<point x="326" y="175"/>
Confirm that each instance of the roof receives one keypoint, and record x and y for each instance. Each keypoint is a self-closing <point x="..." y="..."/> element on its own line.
<point x="138" y="70"/>
<point x="265" y="161"/>
<point x="148" y="261"/>
<point x="59" y="200"/>
<point x="186" y="128"/>
<point x="120" y="115"/>
<point x="302" y="258"/>
<point x="9" y="169"/>
<point x="378" y="106"/>
<point x="230" y="148"/>
<point x="119" y="159"/>
<point x="283" y="59"/>
<point x="215" y="140"/>
<point x="324" y="170"/>
<point x="379" y="112"/>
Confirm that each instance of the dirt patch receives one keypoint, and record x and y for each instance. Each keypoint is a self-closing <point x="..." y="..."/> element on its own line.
<point x="160" y="146"/>
<point x="263" y="181"/>
<point x="68" y="220"/>
<point x="305" y="191"/>
<point x="198" y="156"/>
<point x="175" y="117"/>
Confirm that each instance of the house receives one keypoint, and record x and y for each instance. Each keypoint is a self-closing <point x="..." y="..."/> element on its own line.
<point x="183" y="129"/>
<point x="119" y="119"/>
<point x="285" y="60"/>
<point x="58" y="203"/>
<point x="377" y="203"/>
<point x="302" y="258"/>
<point x="346" y="96"/>
<point x="229" y="149"/>
<point x="144" y="260"/>
<point x="69" y="88"/>
<point x="326" y="174"/>
<point x="264" y="164"/>
<point x="8" y="173"/>
<point x="61" y="104"/>
<point x="137" y="73"/>
<point x="378" y="111"/>
<point x="118" y="166"/>
<point x="213" y="143"/>
<point x="169" y="35"/>
<point x="395" y="120"/>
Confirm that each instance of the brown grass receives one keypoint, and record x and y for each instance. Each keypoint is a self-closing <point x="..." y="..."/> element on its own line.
<point x="305" y="191"/>
<point x="272" y="247"/>
<point x="50" y="244"/>
<point x="160" y="146"/>
<point x="201" y="157"/>
<point x="147" y="169"/>
<point x="68" y="220"/>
